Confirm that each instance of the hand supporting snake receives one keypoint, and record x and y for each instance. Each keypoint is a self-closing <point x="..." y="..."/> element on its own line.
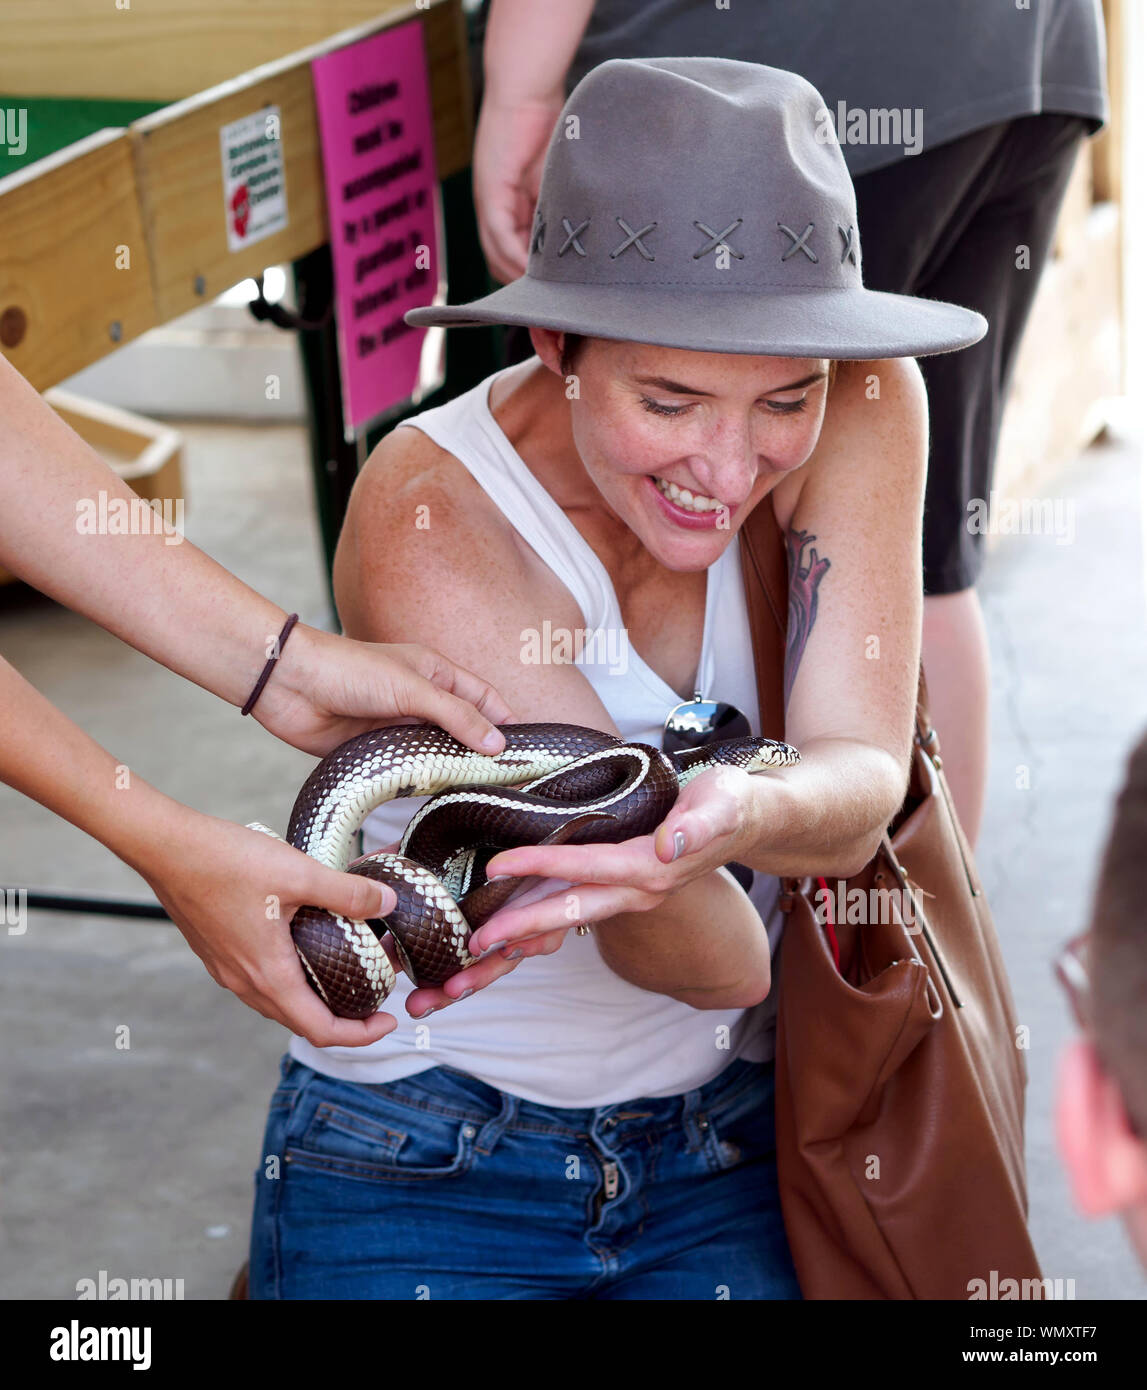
<point x="580" y="786"/>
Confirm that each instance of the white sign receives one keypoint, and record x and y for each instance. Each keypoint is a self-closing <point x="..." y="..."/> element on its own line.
<point x="254" y="185"/>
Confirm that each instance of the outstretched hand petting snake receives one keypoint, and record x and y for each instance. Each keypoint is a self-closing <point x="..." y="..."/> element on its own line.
<point x="574" y="786"/>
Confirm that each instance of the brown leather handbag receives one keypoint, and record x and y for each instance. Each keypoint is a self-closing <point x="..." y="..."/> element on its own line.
<point x="900" y="1074"/>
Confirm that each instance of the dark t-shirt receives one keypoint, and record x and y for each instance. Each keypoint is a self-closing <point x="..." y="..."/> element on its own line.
<point x="897" y="76"/>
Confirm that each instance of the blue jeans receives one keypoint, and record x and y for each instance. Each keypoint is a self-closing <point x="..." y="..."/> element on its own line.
<point x="440" y="1186"/>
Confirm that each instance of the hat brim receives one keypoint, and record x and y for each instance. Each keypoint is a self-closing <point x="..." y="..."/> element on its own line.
<point x="837" y="323"/>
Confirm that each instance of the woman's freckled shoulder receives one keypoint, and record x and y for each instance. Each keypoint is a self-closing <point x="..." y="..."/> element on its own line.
<point x="428" y="505"/>
<point x="407" y="463"/>
<point x="415" y="486"/>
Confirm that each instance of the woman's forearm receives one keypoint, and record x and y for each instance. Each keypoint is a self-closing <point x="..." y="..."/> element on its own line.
<point x="167" y="599"/>
<point x="156" y="591"/>
<point x="826" y="815"/>
<point x="675" y="923"/>
<point x="529" y="48"/>
<point x="50" y="759"/>
<point x="704" y="945"/>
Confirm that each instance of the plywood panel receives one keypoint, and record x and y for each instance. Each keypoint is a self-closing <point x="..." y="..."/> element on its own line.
<point x="180" y="174"/>
<point x="1107" y="147"/>
<point x="74" y="274"/>
<point x="135" y="446"/>
<point x="1071" y="223"/>
<point x="160" y="50"/>
<point x="1069" y="361"/>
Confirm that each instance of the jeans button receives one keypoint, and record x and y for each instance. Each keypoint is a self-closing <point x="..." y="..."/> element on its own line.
<point x="468" y="1131"/>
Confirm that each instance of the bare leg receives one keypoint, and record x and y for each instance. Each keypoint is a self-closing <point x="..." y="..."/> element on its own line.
<point x="956" y="660"/>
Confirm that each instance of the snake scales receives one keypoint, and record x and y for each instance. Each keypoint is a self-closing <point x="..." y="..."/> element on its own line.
<point x="576" y="785"/>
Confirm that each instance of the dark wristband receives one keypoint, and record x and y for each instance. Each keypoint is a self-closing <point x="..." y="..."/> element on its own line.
<point x="270" y="666"/>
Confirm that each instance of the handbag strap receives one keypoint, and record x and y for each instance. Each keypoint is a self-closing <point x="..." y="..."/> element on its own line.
<point x="764" y="570"/>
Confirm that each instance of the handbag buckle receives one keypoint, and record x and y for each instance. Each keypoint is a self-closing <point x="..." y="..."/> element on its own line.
<point x="787" y="897"/>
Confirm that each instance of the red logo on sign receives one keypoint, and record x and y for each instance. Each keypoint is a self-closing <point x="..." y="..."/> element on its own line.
<point x="240" y="210"/>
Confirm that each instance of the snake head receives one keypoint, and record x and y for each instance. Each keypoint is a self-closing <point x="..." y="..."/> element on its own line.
<point x="769" y="753"/>
<point x="749" y="754"/>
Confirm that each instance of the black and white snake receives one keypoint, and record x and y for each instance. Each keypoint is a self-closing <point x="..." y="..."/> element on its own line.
<point x="576" y="786"/>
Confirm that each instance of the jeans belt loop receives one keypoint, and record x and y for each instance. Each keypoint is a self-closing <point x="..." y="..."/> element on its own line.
<point x="495" y="1127"/>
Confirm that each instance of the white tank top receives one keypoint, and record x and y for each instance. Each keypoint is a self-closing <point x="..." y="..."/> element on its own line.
<point x="564" y="1030"/>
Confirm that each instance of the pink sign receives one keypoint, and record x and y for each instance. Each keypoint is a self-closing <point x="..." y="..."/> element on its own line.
<point x="377" y="136"/>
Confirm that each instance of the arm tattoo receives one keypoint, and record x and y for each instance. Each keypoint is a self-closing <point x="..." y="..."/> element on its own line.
<point x="804" y="580"/>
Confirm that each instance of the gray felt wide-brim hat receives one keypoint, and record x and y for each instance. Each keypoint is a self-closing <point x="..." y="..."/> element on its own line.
<point x="704" y="203"/>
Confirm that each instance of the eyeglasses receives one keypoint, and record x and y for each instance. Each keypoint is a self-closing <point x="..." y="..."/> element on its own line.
<point x="693" y="724"/>
<point x="1073" y="970"/>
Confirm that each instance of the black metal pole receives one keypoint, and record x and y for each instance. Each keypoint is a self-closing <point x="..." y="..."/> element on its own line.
<point x="100" y="907"/>
<point x="334" y="462"/>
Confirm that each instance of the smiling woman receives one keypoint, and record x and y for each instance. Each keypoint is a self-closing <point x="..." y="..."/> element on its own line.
<point x="681" y="445"/>
<point x="684" y="503"/>
<point x="599" y="487"/>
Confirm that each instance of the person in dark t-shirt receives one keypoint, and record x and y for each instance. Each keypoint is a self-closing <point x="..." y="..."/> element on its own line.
<point x="960" y="123"/>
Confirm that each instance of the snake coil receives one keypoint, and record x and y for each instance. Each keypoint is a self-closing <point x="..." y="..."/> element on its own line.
<point x="575" y="786"/>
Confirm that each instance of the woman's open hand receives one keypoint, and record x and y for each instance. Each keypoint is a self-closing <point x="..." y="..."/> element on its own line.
<point x="711" y="824"/>
<point x="422" y="1002"/>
